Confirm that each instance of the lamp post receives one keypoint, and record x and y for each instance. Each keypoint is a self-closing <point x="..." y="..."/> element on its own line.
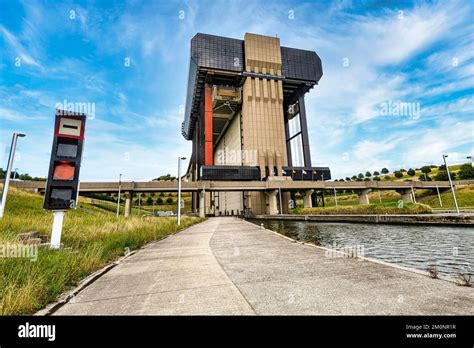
<point x="470" y="158"/>
<point x="9" y="172"/>
<point x="139" y="202"/>
<point x="118" y="198"/>
<point x="451" y="184"/>
<point x="179" y="188"/>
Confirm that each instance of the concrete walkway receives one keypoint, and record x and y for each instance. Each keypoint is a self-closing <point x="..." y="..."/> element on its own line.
<point x="229" y="266"/>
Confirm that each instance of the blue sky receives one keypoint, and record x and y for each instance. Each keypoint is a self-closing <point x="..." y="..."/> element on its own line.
<point x="374" y="54"/>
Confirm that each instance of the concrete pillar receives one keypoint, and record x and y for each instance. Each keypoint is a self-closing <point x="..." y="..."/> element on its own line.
<point x="364" y="196"/>
<point x="272" y="199"/>
<point x="128" y="203"/>
<point x="406" y="195"/>
<point x="202" y="207"/>
<point x="307" y="199"/>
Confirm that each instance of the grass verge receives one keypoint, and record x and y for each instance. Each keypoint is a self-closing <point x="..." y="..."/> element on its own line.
<point x="92" y="238"/>
<point x="388" y="208"/>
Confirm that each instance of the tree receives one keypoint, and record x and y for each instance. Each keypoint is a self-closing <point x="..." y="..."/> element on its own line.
<point x="376" y="178"/>
<point x="367" y="179"/>
<point x="348" y="179"/>
<point x="387" y="177"/>
<point x="169" y="200"/>
<point x="159" y="201"/>
<point x="443" y="175"/>
<point x="426" y="169"/>
<point x="403" y="170"/>
<point x="424" y="177"/>
<point x="360" y="176"/>
<point x="398" y="174"/>
<point x="368" y="174"/>
<point x="376" y="173"/>
<point x="384" y="171"/>
<point x="354" y="177"/>
<point x="466" y="171"/>
<point x="411" y="172"/>
<point x="442" y="167"/>
<point x="149" y="201"/>
<point x="166" y="177"/>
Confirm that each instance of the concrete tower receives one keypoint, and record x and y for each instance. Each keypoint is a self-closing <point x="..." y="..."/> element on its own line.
<point x="246" y="116"/>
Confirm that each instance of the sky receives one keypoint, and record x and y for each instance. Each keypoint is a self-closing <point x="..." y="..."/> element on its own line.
<point x="396" y="92"/>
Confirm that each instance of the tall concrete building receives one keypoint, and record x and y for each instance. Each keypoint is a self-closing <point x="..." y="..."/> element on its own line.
<point x="246" y="116"/>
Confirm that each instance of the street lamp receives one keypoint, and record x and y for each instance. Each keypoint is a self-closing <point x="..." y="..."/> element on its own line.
<point x="470" y="158"/>
<point x="179" y="188"/>
<point x="118" y="198"/>
<point x="139" y="202"/>
<point x="451" y="184"/>
<point x="9" y="172"/>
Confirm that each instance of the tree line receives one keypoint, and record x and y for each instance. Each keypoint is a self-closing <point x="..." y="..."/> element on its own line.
<point x="466" y="171"/>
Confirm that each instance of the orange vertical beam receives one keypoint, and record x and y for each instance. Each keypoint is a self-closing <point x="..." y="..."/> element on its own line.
<point x="208" y="153"/>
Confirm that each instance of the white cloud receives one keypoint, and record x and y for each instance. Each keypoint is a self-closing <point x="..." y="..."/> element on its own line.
<point x="17" y="48"/>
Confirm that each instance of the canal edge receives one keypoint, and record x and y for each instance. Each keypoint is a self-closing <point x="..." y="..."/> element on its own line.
<point x="403" y="268"/>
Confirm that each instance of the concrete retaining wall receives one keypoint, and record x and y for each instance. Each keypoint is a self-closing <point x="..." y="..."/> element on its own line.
<point x="424" y="219"/>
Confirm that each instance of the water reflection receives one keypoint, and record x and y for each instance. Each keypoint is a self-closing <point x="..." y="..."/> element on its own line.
<point x="450" y="249"/>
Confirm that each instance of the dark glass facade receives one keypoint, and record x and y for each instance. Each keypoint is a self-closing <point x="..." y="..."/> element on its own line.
<point x="227" y="55"/>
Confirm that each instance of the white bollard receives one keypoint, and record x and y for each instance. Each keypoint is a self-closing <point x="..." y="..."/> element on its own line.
<point x="58" y="217"/>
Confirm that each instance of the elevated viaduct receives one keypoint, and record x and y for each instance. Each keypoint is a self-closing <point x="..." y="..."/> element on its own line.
<point x="270" y="188"/>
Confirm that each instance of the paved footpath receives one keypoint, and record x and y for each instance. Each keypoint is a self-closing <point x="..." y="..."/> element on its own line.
<point x="229" y="266"/>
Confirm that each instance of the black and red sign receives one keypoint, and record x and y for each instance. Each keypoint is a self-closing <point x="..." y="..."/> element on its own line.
<point x="66" y="154"/>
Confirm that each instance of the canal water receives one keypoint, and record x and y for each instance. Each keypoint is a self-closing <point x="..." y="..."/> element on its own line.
<point x="449" y="249"/>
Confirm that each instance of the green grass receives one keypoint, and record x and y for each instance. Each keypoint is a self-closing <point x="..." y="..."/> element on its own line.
<point x="387" y="208"/>
<point x="146" y="208"/>
<point x="464" y="197"/>
<point x="92" y="237"/>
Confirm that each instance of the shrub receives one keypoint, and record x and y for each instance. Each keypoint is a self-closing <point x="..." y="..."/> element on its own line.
<point x="426" y="169"/>
<point x="422" y="177"/>
<point x="411" y="172"/>
<point x="443" y="175"/>
<point x="384" y="171"/>
<point x="433" y="271"/>
<point x="466" y="171"/>
<point x="398" y="174"/>
<point x="169" y="200"/>
<point x="389" y="208"/>
<point x="159" y="201"/>
<point x="376" y="173"/>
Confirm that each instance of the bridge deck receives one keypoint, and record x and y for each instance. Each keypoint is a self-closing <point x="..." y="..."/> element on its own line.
<point x="164" y="186"/>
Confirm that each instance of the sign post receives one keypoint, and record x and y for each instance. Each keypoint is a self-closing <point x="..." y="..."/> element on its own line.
<point x="58" y="217"/>
<point x="62" y="188"/>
